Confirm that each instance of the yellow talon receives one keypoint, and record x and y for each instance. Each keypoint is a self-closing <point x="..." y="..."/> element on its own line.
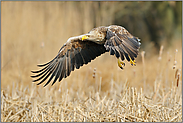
<point x="132" y="62"/>
<point x="121" y="64"/>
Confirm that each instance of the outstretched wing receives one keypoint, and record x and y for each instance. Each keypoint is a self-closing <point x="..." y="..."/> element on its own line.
<point x="121" y="43"/>
<point x="72" y="55"/>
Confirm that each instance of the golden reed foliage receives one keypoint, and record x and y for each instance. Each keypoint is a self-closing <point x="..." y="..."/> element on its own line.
<point x="33" y="32"/>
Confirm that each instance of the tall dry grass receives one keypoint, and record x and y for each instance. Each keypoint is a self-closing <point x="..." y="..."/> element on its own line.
<point x="80" y="99"/>
<point x="99" y="91"/>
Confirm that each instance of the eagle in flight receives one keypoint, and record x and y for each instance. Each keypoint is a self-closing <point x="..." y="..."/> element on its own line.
<point x="82" y="49"/>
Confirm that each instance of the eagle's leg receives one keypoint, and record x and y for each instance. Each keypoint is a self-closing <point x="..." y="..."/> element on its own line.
<point x="120" y="63"/>
<point x="132" y="62"/>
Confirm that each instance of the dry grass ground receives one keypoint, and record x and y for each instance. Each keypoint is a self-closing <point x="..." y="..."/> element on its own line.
<point x="148" y="92"/>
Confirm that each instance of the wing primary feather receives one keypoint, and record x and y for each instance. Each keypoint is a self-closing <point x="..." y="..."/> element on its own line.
<point x="111" y="47"/>
<point x="109" y="34"/>
<point x="46" y="75"/>
<point x="63" y="69"/>
<point x="101" y="49"/>
<point x="98" y="50"/>
<point x="126" y="55"/>
<point x="53" y="74"/>
<point x="72" y="57"/>
<point x="58" y="73"/>
<point x="93" y="49"/>
<point x="130" y="53"/>
<point x="131" y="41"/>
<point x="111" y="51"/>
<point x="85" y="57"/>
<point x="117" y="53"/>
<point x="78" y="59"/>
<point x="41" y="65"/>
<point x="48" y="67"/>
<point x="122" y="57"/>
<point x="117" y="43"/>
<point x="122" y="52"/>
<point x="134" y="41"/>
<point x="92" y="55"/>
<point x="130" y="47"/>
<point x="62" y="65"/>
<point x="41" y="69"/>
<point x="65" y="75"/>
<point x="68" y="64"/>
<point x="106" y="45"/>
<point x="48" y="64"/>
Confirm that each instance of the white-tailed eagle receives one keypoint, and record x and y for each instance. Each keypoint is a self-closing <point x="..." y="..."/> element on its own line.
<point x="82" y="49"/>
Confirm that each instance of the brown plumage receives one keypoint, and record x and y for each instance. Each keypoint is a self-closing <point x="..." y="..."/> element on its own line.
<point x="82" y="49"/>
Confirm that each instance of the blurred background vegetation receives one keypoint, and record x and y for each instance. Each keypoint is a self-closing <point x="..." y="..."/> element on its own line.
<point x="152" y="21"/>
<point x="33" y="32"/>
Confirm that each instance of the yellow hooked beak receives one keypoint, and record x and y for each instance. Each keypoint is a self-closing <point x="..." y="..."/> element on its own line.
<point x="84" y="37"/>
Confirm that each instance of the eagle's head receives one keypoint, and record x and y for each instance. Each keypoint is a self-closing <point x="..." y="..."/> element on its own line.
<point x="95" y="35"/>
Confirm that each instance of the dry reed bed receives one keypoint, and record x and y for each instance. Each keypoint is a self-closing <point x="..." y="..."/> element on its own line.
<point x="27" y="106"/>
<point x="120" y="104"/>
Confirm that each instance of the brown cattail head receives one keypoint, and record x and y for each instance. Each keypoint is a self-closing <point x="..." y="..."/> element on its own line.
<point x="175" y="61"/>
<point x="177" y="76"/>
<point x="94" y="72"/>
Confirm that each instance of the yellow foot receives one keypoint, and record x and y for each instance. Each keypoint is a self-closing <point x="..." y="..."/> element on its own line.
<point x="121" y="64"/>
<point x="132" y="62"/>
